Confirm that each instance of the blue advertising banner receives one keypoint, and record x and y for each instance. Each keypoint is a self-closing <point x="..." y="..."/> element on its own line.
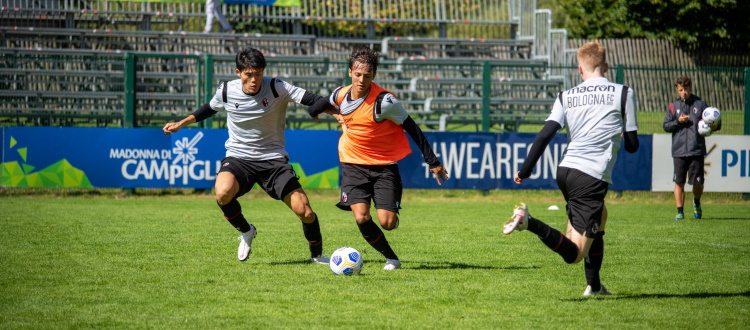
<point x="489" y="161"/>
<point x="144" y="158"/>
<point x="190" y="158"/>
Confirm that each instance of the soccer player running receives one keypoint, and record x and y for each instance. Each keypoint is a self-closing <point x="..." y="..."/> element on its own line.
<point x="373" y="141"/>
<point x="256" y="111"/>
<point x="688" y="146"/>
<point x="598" y="114"/>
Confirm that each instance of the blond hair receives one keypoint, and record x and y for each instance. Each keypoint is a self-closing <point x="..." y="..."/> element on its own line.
<point x="591" y="56"/>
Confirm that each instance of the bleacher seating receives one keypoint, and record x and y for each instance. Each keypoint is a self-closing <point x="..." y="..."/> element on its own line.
<point x="153" y="41"/>
<point x="395" y="47"/>
<point x="76" y="76"/>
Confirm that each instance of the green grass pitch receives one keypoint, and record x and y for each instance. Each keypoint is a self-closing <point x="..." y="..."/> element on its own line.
<point x="160" y="262"/>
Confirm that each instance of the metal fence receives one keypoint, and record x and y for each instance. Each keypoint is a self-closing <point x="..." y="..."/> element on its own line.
<point x="338" y="18"/>
<point x="85" y="88"/>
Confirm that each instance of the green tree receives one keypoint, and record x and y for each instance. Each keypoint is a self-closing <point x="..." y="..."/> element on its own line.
<point x="691" y="22"/>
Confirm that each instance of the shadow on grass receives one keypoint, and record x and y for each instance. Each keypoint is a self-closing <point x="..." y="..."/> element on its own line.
<point x="668" y="295"/>
<point x="457" y="265"/>
<point x="421" y="265"/>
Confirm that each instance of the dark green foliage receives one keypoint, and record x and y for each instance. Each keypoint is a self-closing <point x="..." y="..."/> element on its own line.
<point x="721" y="23"/>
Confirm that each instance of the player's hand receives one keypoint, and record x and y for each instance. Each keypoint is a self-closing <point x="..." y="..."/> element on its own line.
<point x="517" y="179"/>
<point x="683" y="118"/>
<point x="339" y="118"/>
<point x="715" y="125"/>
<point x="170" y="128"/>
<point x="441" y="174"/>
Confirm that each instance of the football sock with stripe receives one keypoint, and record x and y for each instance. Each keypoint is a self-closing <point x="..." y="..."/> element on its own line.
<point x="233" y="214"/>
<point x="373" y="235"/>
<point x="313" y="236"/>
<point x="593" y="262"/>
<point x="554" y="240"/>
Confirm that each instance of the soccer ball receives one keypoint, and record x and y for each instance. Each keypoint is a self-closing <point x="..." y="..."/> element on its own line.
<point x="711" y="115"/>
<point x="704" y="129"/>
<point x="346" y="261"/>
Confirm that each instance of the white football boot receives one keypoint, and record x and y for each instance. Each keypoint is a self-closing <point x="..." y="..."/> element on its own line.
<point x="391" y="264"/>
<point x="519" y="221"/>
<point x="246" y="241"/>
<point x="321" y="259"/>
<point x="602" y="292"/>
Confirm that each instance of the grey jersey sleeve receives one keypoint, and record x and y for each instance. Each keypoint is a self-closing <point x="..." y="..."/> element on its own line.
<point x="558" y="112"/>
<point x="631" y="121"/>
<point x="217" y="102"/>
<point x="293" y="92"/>
<point x="391" y="109"/>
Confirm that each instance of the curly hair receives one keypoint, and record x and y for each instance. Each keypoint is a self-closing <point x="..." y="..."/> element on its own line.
<point x="364" y="55"/>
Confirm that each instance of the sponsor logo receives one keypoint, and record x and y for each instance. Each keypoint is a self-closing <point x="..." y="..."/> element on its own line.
<point x="589" y="89"/>
<point x="236" y="105"/>
<point x="178" y="165"/>
<point x="344" y="198"/>
<point x="265" y="102"/>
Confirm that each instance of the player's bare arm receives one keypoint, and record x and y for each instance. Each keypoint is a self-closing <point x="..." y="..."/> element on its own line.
<point x="172" y="127"/>
<point x="201" y="114"/>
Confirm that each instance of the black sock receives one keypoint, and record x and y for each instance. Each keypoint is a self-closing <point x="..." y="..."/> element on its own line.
<point x="697" y="201"/>
<point x="313" y="236"/>
<point x="680" y="210"/>
<point x="554" y="240"/>
<point x="233" y="214"/>
<point x="593" y="262"/>
<point x="375" y="237"/>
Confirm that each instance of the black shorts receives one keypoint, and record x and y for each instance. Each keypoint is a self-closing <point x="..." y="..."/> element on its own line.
<point x="584" y="195"/>
<point x="363" y="183"/>
<point x="690" y="168"/>
<point x="275" y="176"/>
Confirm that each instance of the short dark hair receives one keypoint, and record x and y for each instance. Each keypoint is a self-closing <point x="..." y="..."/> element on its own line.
<point x="250" y="58"/>
<point x="365" y="55"/>
<point x="684" y="82"/>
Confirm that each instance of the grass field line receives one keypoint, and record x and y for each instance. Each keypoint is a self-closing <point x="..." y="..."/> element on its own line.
<point x="684" y="242"/>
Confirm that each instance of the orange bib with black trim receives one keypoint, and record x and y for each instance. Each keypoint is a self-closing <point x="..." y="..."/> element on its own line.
<point x="365" y="141"/>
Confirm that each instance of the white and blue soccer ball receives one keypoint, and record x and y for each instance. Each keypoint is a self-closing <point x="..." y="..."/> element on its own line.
<point x="704" y="129"/>
<point x="346" y="261"/>
<point x="711" y="115"/>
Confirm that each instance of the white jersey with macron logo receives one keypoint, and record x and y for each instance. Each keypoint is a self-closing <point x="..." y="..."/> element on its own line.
<point x="593" y="113"/>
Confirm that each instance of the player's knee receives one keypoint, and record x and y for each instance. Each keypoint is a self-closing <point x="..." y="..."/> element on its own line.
<point x="223" y="196"/>
<point x="362" y="218"/>
<point x="307" y="216"/>
<point x="392" y="225"/>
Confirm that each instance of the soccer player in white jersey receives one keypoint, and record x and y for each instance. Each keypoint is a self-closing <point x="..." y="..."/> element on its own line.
<point x="256" y="111"/>
<point x="599" y="114"/>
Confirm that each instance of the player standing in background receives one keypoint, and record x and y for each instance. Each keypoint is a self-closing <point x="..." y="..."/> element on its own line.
<point x="688" y="146"/>
<point x="599" y="114"/>
<point x="373" y="141"/>
<point x="256" y="112"/>
<point x="213" y="9"/>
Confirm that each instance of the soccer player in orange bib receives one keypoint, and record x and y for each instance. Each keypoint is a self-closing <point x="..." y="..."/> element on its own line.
<point x="373" y="141"/>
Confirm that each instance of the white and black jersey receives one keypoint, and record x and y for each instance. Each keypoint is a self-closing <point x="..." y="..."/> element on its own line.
<point x="388" y="106"/>
<point x="593" y="112"/>
<point x="256" y="122"/>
